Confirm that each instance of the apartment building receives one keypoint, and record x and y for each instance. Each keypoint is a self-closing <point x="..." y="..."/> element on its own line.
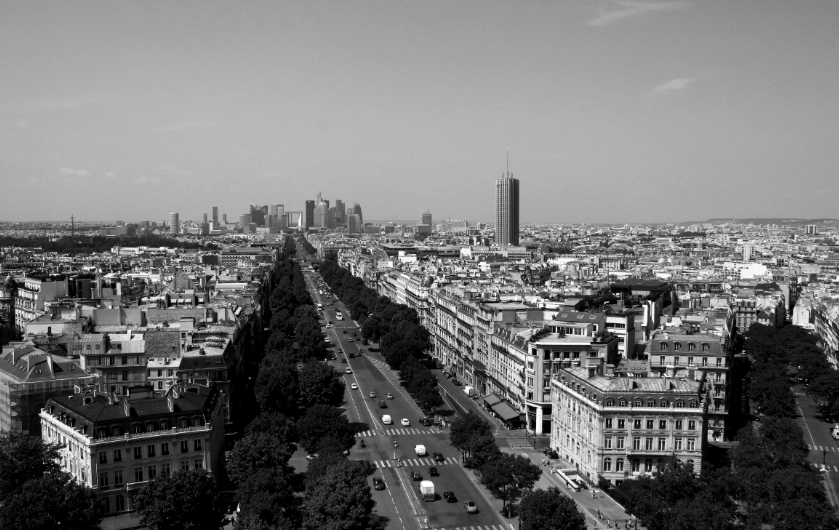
<point x="115" y="443"/>
<point x="616" y="428"/>
<point x="119" y="357"/>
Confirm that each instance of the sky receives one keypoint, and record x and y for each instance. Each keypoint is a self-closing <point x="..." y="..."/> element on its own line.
<point x="613" y="111"/>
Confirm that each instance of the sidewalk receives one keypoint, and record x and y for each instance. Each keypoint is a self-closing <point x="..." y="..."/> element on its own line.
<point x="609" y="508"/>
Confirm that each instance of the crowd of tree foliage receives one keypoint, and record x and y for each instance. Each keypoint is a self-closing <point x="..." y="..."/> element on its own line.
<point x="36" y="493"/>
<point x="769" y="482"/>
<point x="95" y="244"/>
<point x="298" y="396"/>
<point x="404" y="342"/>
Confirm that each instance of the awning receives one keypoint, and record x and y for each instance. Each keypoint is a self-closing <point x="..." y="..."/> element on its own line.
<point x="492" y="400"/>
<point x="505" y="411"/>
<point x="478" y="366"/>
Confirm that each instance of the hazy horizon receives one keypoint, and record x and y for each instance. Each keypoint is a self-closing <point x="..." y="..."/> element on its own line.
<point x="613" y="110"/>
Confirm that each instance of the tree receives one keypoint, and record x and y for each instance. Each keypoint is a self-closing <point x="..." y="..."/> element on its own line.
<point x="325" y="428"/>
<point x="22" y="458"/>
<point x="320" y="384"/>
<point x="51" y="500"/>
<point x="276" y="387"/>
<point x="464" y="429"/>
<point x="506" y="476"/>
<point x="267" y="499"/>
<point x="429" y="398"/>
<point x="187" y="500"/>
<point x="550" y="510"/>
<point x="258" y="450"/>
<point x="340" y="500"/>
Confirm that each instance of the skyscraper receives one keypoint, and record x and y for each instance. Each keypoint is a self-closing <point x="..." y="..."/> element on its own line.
<point x="204" y="219"/>
<point x="507" y="210"/>
<point x="356" y="209"/>
<point x="425" y="218"/>
<point x="341" y="211"/>
<point x="174" y="223"/>
<point x="215" y="215"/>
<point x="309" y="215"/>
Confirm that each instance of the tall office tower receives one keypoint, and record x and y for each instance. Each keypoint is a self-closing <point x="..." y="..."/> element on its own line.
<point x="224" y="218"/>
<point x="245" y="221"/>
<point x="320" y="215"/>
<point x="341" y="211"/>
<point x="257" y="215"/>
<point x="507" y="210"/>
<point x="174" y="223"/>
<point x="425" y="218"/>
<point x="356" y="209"/>
<point x="332" y="217"/>
<point x="205" y="219"/>
<point x="309" y="215"/>
<point x="215" y="215"/>
<point x="353" y="225"/>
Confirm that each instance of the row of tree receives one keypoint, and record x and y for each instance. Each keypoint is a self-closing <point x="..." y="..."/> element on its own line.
<point x="94" y="244"/>
<point x="404" y="342"/>
<point x="298" y="395"/>
<point x="769" y="483"/>
<point x="511" y="477"/>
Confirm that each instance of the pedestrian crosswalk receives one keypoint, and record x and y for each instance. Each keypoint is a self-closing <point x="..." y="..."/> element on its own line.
<point x="828" y="448"/>
<point x="476" y="527"/>
<point x="414" y="462"/>
<point x="396" y="432"/>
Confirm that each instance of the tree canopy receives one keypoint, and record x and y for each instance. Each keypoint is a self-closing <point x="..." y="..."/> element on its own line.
<point x="550" y="510"/>
<point x="186" y="500"/>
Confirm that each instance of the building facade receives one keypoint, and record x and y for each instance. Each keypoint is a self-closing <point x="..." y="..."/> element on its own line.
<point x="507" y="210"/>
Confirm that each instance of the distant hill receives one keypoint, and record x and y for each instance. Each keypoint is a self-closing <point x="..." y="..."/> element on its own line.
<point x="772" y="220"/>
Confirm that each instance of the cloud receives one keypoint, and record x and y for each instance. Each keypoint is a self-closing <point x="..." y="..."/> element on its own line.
<point x="75" y="173"/>
<point x="674" y="85"/>
<point x="626" y="9"/>
<point x="46" y="105"/>
<point x="110" y="175"/>
<point x="186" y="126"/>
<point x="146" y="180"/>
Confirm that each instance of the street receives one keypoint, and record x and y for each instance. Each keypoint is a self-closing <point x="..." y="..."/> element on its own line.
<point x="823" y="448"/>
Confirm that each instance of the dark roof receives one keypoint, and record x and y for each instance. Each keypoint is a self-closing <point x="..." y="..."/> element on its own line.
<point x="637" y="283"/>
<point x="162" y="343"/>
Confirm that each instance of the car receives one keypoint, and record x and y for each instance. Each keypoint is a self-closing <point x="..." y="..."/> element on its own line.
<point x="449" y="496"/>
<point x="331" y="322"/>
<point x="389" y="395"/>
<point x="470" y="507"/>
<point x="382" y="405"/>
<point x="345" y="332"/>
<point x="348" y="370"/>
<point x="433" y="471"/>
<point x="328" y="326"/>
<point x="311" y="456"/>
<point x="415" y="475"/>
<point x="425" y="421"/>
<point x="438" y="457"/>
<point x="372" y="393"/>
<point x="350" y="340"/>
<point x="386" y="420"/>
<point x="344" y="360"/>
<point x="405" y="422"/>
<point x="354" y="386"/>
<point x="378" y="484"/>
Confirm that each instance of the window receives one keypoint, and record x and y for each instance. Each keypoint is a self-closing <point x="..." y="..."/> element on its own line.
<point x="691" y="346"/>
<point x="607" y="464"/>
<point x="691" y="425"/>
<point x="663" y="346"/>
<point x="103" y="480"/>
<point x="704" y="361"/>
<point x="138" y="452"/>
<point x="117" y="477"/>
<point x="648" y="465"/>
<point x="690" y="361"/>
<point x="719" y="362"/>
<point x="608" y="423"/>
<point x="120" y="503"/>
<point x="164" y="449"/>
<point x="117" y="455"/>
<point x="677" y="346"/>
<point x="610" y="402"/>
<point x="636" y="424"/>
<point x="677" y="444"/>
<point x="182" y="423"/>
<point x="607" y="442"/>
<point x="103" y="457"/>
<point x="662" y="444"/>
<point x="661" y="360"/>
<point x="197" y="445"/>
<point x="124" y="359"/>
<point x="680" y="404"/>
<point x="619" y="464"/>
<point x="662" y="424"/>
<point x="184" y="446"/>
<point x="636" y="465"/>
<point x="679" y="424"/>
<point x="138" y="474"/>
<point x="651" y="403"/>
<point x="621" y="441"/>
<point x="691" y="444"/>
<point x="650" y="424"/>
<point x="185" y="465"/>
<point x="622" y="403"/>
<point x="164" y="469"/>
<point x="636" y="443"/>
<point x="106" y="505"/>
<point x="705" y="347"/>
<point x="676" y="361"/>
<point x="150" y="427"/>
<point x="151" y="450"/>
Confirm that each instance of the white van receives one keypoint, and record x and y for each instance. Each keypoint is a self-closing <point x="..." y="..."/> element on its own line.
<point x="386" y="420"/>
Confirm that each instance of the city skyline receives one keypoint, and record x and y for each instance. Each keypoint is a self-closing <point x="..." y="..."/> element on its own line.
<point x="417" y="102"/>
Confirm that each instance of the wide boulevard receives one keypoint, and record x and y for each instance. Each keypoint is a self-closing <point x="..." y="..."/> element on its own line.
<point x="389" y="449"/>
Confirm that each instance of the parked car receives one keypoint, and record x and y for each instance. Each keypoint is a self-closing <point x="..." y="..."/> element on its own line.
<point x="425" y="421"/>
<point x="470" y="507"/>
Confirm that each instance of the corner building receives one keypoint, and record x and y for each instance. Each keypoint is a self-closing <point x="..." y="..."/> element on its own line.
<point x="617" y="428"/>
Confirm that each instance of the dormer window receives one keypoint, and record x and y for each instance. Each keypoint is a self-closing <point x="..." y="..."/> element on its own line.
<point x="677" y="346"/>
<point x="705" y="347"/>
<point x="691" y="346"/>
<point x="663" y="346"/>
